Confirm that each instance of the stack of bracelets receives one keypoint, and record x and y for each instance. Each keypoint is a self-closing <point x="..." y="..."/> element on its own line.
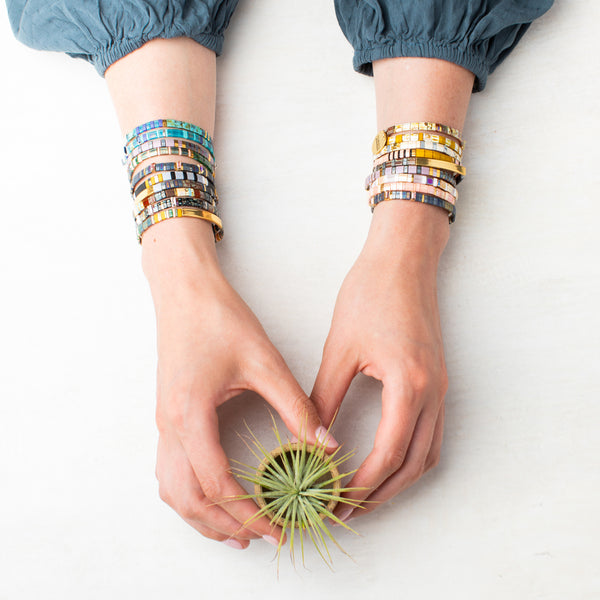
<point x="163" y="190"/>
<point x="418" y="162"/>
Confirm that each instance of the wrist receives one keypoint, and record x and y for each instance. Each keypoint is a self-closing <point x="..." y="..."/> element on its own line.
<point x="408" y="233"/>
<point x="178" y="254"/>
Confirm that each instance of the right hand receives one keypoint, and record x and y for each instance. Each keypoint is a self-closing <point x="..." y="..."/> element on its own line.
<point x="211" y="347"/>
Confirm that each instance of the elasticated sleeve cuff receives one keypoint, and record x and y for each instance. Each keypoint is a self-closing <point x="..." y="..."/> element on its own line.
<point x="104" y="31"/>
<point x="475" y="34"/>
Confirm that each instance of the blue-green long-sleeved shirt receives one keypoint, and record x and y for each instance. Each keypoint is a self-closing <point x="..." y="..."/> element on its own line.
<point x="476" y="34"/>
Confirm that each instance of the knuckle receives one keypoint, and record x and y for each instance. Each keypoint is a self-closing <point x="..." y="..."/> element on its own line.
<point x="189" y="510"/>
<point x="212" y="489"/>
<point x="420" y="379"/>
<point x="422" y="376"/>
<point x="414" y="471"/>
<point x="393" y="458"/>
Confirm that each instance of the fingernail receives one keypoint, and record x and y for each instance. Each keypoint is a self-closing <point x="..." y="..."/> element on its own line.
<point x="325" y="438"/>
<point x="233" y="544"/>
<point x="343" y="516"/>
<point x="271" y="540"/>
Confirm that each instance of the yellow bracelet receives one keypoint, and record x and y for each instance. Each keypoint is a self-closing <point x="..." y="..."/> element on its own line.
<point x="414" y="136"/>
<point x="381" y="137"/>
<point x="397" y="154"/>
<point x="431" y="146"/>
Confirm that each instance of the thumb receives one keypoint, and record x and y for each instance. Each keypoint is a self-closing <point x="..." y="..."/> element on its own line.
<point x="281" y="390"/>
<point x="333" y="380"/>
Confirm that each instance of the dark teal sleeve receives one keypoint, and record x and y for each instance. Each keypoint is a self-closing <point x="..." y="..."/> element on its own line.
<point x="476" y="34"/>
<point x="102" y="31"/>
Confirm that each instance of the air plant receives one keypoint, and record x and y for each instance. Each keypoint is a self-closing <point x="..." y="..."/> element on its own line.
<point x="297" y="486"/>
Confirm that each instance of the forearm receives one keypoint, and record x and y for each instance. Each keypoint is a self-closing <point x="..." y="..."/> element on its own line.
<point x="411" y="89"/>
<point x="165" y="78"/>
<point x="176" y="79"/>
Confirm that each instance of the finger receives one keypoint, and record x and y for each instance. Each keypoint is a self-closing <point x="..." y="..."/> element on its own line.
<point x="333" y="380"/>
<point x="412" y="468"/>
<point x="219" y="537"/>
<point x="399" y="414"/>
<point x="433" y="458"/>
<point x="276" y="384"/>
<point x="211" y="467"/>
<point x="180" y="489"/>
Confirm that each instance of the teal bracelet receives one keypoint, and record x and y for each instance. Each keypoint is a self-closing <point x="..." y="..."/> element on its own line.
<point x="167" y="123"/>
<point x="162" y="134"/>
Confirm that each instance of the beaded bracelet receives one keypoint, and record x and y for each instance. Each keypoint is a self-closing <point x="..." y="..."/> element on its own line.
<point x="386" y="169"/>
<point x="415" y="197"/>
<point x="170" y="143"/>
<point x="425" y="126"/>
<point x="173" y="184"/>
<point x="184" y="193"/>
<point x="431" y="146"/>
<point x="413" y="179"/>
<point x="400" y="138"/>
<point x="167" y="133"/>
<point x="394" y="153"/>
<point x="403" y="152"/>
<point x="182" y="212"/>
<point x="172" y="176"/>
<point x="165" y="190"/>
<point x="427" y="162"/>
<point x="167" y="123"/>
<point x="165" y="151"/>
<point x="381" y="138"/>
<point x="209" y="196"/>
<point x="415" y="187"/>
<point x="171" y="167"/>
<point x="140" y="217"/>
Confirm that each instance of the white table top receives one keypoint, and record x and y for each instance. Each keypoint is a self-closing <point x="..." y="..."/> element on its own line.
<point x="512" y="509"/>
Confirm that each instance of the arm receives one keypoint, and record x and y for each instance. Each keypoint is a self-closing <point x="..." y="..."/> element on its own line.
<point x="386" y="319"/>
<point x="210" y="345"/>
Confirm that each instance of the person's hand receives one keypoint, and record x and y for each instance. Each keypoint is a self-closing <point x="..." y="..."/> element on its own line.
<point x="210" y="348"/>
<point x="386" y="325"/>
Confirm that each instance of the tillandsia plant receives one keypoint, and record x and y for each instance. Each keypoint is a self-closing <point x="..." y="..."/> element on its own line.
<point x="297" y="486"/>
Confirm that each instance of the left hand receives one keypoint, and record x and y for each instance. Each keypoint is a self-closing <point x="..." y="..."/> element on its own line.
<point x="386" y="325"/>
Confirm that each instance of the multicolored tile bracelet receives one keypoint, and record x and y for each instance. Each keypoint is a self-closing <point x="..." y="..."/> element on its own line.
<point x="182" y="170"/>
<point x="165" y="190"/>
<point x="418" y="162"/>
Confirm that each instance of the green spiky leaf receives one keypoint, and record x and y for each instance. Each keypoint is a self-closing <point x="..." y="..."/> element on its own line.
<point x="297" y="487"/>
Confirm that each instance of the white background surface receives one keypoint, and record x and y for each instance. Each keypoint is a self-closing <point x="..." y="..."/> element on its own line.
<point x="512" y="509"/>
